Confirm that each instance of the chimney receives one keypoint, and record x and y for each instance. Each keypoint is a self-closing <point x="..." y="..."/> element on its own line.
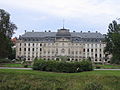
<point x="25" y="31"/>
<point x="96" y="31"/>
<point x="73" y="31"/>
<point x="88" y="31"/>
<point x="32" y="30"/>
<point x="45" y="31"/>
<point x="81" y="31"/>
<point x="49" y="31"/>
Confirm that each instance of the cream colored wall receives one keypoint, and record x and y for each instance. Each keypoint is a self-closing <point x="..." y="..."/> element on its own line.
<point x="49" y="50"/>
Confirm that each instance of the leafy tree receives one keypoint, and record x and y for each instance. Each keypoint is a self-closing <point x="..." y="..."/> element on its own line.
<point x="6" y="31"/>
<point x="113" y="42"/>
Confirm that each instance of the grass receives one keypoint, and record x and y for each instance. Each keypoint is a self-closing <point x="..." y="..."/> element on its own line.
<point x="12" y="65"/>
<point x="109" y="66"/>
<point x="20" y="65"/>
<point x="37" y="80"/>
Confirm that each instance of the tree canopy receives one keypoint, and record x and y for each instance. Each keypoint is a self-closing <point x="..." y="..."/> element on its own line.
<point x="113" y="42"/>
<point x="6" y="31"/>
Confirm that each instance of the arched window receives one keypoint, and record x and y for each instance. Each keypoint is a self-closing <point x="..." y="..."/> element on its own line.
<point x="63" y="51"/>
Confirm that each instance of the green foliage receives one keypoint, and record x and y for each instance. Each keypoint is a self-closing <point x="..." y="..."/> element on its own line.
<point x="60" y="66"/>
<point x="97" y="66"/>
<point x="113" y="42"/>
<point x="36" y="80"/>
<point x="6" y="31"/>
<point x="5" y="61"/>
<point x="93" y="86"/>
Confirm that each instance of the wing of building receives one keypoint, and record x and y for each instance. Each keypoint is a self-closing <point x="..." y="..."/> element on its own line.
<point x="75" y="46"/>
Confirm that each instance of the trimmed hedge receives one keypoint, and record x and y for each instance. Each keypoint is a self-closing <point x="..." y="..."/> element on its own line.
<point x="59" y="66"/>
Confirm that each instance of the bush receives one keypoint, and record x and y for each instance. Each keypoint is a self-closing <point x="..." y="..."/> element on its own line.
<point x="5" y="61"/>
<point x="60" y="66"/>
<point x="25" y="66"/>
<point x="97" y="66"/>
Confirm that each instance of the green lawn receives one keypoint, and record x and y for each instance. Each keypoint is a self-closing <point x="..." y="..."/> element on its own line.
<point x="109" y="66"/>
<point x="12" y="65"/>
<point x="37" y="80"/>
<point x="20" y="65"/>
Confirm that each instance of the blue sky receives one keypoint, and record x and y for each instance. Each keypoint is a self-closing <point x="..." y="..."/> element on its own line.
<point x="79" y="15"/>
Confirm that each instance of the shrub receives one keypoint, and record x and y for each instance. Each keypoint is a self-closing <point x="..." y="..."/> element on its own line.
<point x="5" y="61"/>
<point x="60" y="66"/>
<point x="97" y="66"/>
<point x="25" y="66"/>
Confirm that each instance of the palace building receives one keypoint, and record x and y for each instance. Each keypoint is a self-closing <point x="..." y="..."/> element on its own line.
<point x="74" y="46"/>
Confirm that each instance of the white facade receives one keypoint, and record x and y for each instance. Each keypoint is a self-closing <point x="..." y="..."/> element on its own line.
<point x="59" y="47"/>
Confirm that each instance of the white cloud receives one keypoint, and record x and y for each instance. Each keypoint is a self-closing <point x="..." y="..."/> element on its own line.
<point x="68" y="8"/>
<point x="93" y="12"/>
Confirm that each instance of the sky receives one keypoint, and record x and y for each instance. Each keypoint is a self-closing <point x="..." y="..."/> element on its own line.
<point x="78" y="15"/>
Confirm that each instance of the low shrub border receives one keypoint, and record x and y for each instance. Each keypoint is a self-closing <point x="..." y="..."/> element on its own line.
<point x="60" y="66"/>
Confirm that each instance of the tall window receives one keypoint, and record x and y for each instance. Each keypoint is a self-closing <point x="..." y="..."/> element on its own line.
<point x="91" y="50"/>
<point x="40" y="49"/>
<point x="33" y="49"/>
<point x="28" y="49"/>
<point x="95" y="55"/>
<point x="83" y="50"/>
<point x="87" y="50"/>
<point x="40" y="44"/>
<point x="63" y="51"/>
<point x="20" y="49"/>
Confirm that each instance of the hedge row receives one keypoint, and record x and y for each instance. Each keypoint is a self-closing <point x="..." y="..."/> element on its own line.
<point x="59" y="66"/>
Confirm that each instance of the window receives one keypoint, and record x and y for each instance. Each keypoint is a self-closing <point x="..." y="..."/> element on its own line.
<point x="48" y="52"/>
<point x="91" y="50"/>
<point x="57" y="59"/>
<point x="100" y="55"/>
<point x="33" y="49"/>
<point x="87" y="50"/>
<point x="95" y="45"/>
<point x="44" y="44"/>
<point x="28" y="49"/>
<point x="40" y="49"/>
<point x="95" y="55"/>
<point x="69" y="51"/>
<point x="83" y="50"/>
<point x="68" y="59"/>
<point x="20" y="44"/>
<point x="87" y="45"/>
<point x="76" y="52"/>
<point x="95" y="50"/>
<point x="76" y="60"/>
<point x="63" y="51"/>
<point x="41" y="44"/>
<point x="24" y="44"/>
<point x="20" y="49"/>
<point x="24" y="49"/>
<point x="33" y="44"/>
<point x="29" y="44"/>
<point x="91" y="45"/>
